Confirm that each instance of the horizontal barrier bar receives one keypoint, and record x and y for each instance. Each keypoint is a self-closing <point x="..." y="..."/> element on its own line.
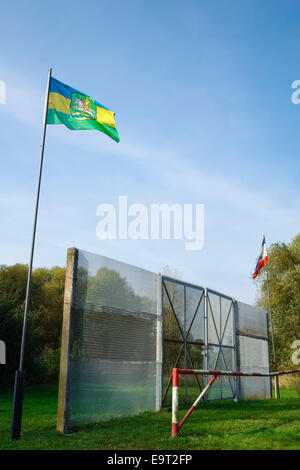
<point x="236" y="373"/>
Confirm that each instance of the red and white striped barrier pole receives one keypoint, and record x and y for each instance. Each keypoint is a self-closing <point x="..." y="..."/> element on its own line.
<point x="175" y="391"/>
<point x="235" y="373"/>
<point x="215" y="373"/>
<point x="175" y="402"/>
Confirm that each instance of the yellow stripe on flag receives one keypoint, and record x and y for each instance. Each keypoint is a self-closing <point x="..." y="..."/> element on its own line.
<point x="59" y="103"/>
<point x="104" y="116"/>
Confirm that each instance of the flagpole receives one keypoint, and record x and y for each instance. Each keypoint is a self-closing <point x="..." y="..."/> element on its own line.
<point x="270" y="309"/>
<point x="20" y="373"/>
<point x="276" y="379"/>
<point x="270" y="312"/>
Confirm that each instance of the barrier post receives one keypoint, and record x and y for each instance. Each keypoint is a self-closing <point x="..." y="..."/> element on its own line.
<point x="175" y="402"/>
<point x="175" y="426"/>
<point x="277" y="391"/>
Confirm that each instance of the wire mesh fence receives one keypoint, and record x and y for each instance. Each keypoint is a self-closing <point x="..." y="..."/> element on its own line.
<point x="125" y="329"/>
<point x="111" y="366"/>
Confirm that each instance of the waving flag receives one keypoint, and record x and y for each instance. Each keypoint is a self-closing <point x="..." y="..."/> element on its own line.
<point x="262" y="259"/>
<point x="76" y="110"/>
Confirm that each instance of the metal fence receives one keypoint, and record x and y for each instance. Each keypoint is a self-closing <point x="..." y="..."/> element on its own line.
<point x="220" y="343"/>
<point x="183" y="334"/>
<point x="111" y="357"/>
<point x="125" y="329"/>
<point x="231" y="335"/>
<point x="252" y="332"/>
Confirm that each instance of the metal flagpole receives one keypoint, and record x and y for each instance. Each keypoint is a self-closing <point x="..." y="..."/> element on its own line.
<point x="270" y="312"/>
<point x="16" y="422"/>
<point x="276" y="379"/>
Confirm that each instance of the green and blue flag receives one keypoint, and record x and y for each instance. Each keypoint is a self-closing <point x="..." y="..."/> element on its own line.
<point x="77" y="111"/>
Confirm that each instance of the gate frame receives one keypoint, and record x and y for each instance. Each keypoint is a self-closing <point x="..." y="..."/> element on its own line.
<point x="183" y="333"/>
<point x="234" y="306"/>
<point x="235" y="387"/>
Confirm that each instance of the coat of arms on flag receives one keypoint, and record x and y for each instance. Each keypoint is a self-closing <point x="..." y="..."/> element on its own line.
<point x="83" y="107"/>
<point x="262" y="259"/>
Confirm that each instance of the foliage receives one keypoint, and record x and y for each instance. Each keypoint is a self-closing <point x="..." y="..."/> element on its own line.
<point x="284" y="280"/>
<point x="44" y="321"/>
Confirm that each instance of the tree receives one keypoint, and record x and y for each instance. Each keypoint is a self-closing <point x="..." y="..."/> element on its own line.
<point x="44" y="320"/>
<point x="284" y="275"/>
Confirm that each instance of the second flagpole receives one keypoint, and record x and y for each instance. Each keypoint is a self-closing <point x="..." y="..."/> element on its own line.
<point x="270" y="312"/>
<point x="17" y="410"/>
<point x="276" y="379"/>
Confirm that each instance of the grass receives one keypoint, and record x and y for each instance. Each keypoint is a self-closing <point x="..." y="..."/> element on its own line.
<point x="256" y="424"/>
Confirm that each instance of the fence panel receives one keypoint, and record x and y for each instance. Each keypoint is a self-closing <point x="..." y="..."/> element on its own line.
<point x="125" y="329"/>
<point x="220" y="343"/>
<point x="183" y="335"/>
<point x="253" y="351"/>
<point x="113" y="363"/>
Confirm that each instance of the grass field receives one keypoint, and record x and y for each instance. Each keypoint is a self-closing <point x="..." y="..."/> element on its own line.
<point x="259" y="424"/>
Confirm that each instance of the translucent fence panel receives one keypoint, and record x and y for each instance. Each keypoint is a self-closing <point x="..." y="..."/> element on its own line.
<point x="254" y="357"/>
<point x="113" y="361"/>
<point x="227" y="321"/>
<point x="221" y="343"/>
<point x="214" y="320"/>
<point x="252" y="321"/>
<point x="221" y="359"/>
<point x="194" y="314"/>
<point x="253" y="350"/>
<point x="106" y="283"/>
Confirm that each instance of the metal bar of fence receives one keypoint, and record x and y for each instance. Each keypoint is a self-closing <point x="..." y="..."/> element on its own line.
<point x="252" y="335"/>
<point x="182" y="283"/>
<point x="219" y="294"/>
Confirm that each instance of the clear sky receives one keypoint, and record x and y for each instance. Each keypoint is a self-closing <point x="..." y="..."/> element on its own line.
<point x="202" y="95"/>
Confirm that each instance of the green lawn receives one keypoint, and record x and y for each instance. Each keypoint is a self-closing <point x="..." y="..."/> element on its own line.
<point x="267" y="424"/>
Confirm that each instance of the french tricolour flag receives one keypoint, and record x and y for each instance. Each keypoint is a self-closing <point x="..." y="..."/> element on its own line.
<point x="262" y="259"/>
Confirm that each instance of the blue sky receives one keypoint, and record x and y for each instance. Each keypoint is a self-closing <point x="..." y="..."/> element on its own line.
<point x="202" y="95"/>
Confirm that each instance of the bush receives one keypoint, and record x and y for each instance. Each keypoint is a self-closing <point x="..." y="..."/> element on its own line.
<point x="46" y="367"/>
<point x="43" y="336"/>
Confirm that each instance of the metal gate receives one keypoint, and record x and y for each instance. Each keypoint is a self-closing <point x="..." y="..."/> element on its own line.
<point x="183" y="334"/>
<point x="198" y="332"/>
<point x="220" y="342"/>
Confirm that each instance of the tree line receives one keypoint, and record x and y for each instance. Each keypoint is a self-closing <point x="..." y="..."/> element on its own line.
<point x="42" y="351"/>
